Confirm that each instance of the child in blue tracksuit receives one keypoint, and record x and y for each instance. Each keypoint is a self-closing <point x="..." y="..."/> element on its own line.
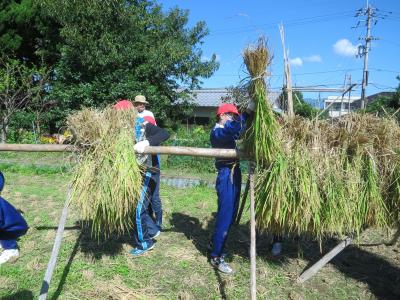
<point x="229" y="180"/>
<point x="12" y="226"/>
<point x="146" y="229"/>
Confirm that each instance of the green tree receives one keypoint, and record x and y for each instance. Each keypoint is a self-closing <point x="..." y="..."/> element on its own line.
<point x="386" y="105"/>
<point x="119" y="48"/>
<point x="27" y="33"/>
<point x="304" y="109"/>
<point x="20" y="85"/>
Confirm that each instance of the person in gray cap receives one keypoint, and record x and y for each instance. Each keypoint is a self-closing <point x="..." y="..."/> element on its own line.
<point x="155" y="206"/>
<point x="140" y="104"/>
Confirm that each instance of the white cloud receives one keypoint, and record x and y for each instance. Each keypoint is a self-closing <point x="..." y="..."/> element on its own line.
<point x="313" y="58"/>
<point x="297" y="62"/>
<point x="345" y="47"/>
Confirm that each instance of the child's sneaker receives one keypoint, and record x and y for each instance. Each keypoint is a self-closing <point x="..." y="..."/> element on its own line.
<point x="156" y="234"/>
<point x="276" y="249"/>
<point x="139" y="252"/>
<point x="220" y="264"/>
<point x="9" y="255"/>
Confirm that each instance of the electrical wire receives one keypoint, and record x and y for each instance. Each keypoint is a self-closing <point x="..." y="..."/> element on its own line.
<point x="293" y="22"/>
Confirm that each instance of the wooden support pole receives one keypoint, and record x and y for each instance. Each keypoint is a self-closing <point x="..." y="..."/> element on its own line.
<point x="310" y="272"/>
<point x="288" y="79"/>
<point x="253" y="283"/>
<point x="56" y="248"/>
<point x="192" y="151"/>
<point x="36" y="148"/>
<point x="173" y="150"/>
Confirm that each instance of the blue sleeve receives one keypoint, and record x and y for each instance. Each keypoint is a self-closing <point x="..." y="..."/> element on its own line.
<point x="12" y="224"/>
<point x="232" y="129"/>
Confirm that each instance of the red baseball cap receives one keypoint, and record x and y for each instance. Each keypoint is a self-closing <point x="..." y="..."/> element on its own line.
<point x="123" y="104"/>
<point x="227" y="108"/>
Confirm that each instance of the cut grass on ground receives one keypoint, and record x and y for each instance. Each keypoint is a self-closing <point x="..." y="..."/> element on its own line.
<point x="178" y="267"/>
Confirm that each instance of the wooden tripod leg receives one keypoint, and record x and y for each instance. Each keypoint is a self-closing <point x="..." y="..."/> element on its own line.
<point x="253" y="285"/>
<point x="56" y="248"/>
<point x="242" y="204"/>
<point x="310" y="272"/>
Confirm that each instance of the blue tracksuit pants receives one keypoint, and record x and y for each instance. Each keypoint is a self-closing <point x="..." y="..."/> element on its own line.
<point x="228" y="185"/>
<point x="12" y="225"/>
<point x="145" y="227"/>
<point x="155" y="203"/>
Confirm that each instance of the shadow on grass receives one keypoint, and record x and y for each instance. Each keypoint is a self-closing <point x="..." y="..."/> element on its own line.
<point x="381" y="276"/>
<point x="95" y="248"/>
<point x="238" y="241"/>
<point x="21" y="295"/>
<point x="91" y="247"/>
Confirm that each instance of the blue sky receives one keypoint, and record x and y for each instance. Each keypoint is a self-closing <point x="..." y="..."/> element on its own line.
<point x="319" y="37"/>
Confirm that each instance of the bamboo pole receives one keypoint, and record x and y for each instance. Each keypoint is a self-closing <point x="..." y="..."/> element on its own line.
<point x="310" y="272"/>
<point x="253" y="285"/>
<point x="173" y="150"/>
<point x="56" y="248"/>
<point x="36" y="148"/>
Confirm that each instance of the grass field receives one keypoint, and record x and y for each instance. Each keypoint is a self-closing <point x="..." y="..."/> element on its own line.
<point x="178" y="267"/>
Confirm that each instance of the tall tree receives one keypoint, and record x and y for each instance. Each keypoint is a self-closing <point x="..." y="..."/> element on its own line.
<point x="26" y="33"/>
<point x="19" y="85"/>
<point x="120" y="48"/>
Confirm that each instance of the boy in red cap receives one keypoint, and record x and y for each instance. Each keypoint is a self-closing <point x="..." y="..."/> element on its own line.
<point x="229" y="180"/>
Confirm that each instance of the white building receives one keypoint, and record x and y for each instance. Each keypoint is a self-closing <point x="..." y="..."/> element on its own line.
<point x="338" y="106"/>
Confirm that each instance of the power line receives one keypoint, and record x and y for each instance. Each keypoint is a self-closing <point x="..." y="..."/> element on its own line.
<point x="383" y="87"/>
<point x="299" y="74"/>
<point x="384" y="70"/>
<point x="390" y="42"/>
<point x="293" y="22"/>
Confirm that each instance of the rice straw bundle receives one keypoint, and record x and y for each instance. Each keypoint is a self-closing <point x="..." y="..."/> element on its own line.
<point x="321" y="177"/>
<point x="393" y="195"/>
<point x="107" y="179"/>
<point x="261" y="136"/>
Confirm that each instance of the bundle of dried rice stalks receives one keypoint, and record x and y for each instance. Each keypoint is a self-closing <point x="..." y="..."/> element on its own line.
<point x="107" y="179"/>
<point x="262" y="136"/>
<point x="321" y="177"/>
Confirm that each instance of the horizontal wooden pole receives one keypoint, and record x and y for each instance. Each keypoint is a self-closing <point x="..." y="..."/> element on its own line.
<point x="36" y="148"/>
<point x="193" y="151"/>
<point x="171" y="150"/>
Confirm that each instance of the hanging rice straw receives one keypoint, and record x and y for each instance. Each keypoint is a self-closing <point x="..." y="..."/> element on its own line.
<point x="107" y="179"/>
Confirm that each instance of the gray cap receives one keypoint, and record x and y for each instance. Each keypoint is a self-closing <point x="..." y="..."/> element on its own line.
<point x="140" y="99"/>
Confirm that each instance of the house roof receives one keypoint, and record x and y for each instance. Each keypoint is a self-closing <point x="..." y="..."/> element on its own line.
<point x="212" y="97"/>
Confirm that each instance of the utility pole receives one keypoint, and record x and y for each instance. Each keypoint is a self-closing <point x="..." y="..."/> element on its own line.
<point x="288" y="79"/>
<point x="371" y="15"/>
<point x="348" y="104"/>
